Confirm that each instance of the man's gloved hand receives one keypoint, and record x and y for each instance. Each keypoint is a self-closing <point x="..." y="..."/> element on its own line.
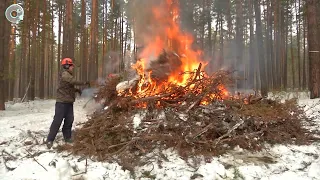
<point x="78" y="91"/>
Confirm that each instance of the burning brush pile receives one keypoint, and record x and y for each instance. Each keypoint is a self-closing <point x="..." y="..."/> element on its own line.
<point x="174" y="103"/>
<point x="196" y="117"/>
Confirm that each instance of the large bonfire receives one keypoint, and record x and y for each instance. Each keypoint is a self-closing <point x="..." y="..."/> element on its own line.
<point x="173" y="103"/>
<point x="176" y="64"/>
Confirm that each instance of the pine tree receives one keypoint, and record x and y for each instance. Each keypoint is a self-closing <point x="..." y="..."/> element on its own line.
<point x="313" y="37"/>
<point x="4" y="49"/>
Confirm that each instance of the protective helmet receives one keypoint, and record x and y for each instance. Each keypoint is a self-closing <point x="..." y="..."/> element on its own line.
<point x="66" y="63"/>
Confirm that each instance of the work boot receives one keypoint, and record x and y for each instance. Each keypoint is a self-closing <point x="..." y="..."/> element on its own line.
<point x="68" y="141"/>
<point x="49" y="144"/>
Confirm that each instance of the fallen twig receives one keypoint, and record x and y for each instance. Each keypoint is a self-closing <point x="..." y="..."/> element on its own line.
<point x="5" y="164"/>
<point x="241" y="136"/>
<point x="7" y="159"/>
<point x="85" y="105"/>
<point x="203" y="130"/>
<point x="120" y="144"/>
<point x="12" y="156"/>
<point x="4" y="142"/>
<point x="121" y="149"/>
<point x="67" y="155"/>
<point x="140" y="148"/>
<point x="38" y="153"/>
<point x="151" y="98"/>
<point x="196" y="102"/>
<point x="25" y="95"/>
<point x="215" y="142"/>
<point x="36" y="160"/>
<point x="33" y="137"/>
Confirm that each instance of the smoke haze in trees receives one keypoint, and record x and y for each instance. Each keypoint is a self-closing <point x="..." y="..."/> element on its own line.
<point x="147" y="27"/>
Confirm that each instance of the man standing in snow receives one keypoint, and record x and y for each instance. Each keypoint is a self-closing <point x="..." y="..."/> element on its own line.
<point x="64" y="102"/>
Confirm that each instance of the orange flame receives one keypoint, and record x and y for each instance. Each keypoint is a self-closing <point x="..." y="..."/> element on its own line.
<point x="223" y="95"/>
<point x="174" y="39"/>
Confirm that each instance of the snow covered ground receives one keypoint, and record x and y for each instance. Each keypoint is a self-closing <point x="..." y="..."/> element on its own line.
<point x="23" y="126"/>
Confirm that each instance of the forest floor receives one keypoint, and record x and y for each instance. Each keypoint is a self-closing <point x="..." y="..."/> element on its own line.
<point x="24" y="126"/>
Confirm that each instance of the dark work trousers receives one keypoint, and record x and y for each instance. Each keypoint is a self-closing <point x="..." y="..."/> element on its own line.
<point x="62" y="111"/>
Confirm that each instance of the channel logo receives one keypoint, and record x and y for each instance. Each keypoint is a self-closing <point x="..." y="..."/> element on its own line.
<point x="14" y="14"/>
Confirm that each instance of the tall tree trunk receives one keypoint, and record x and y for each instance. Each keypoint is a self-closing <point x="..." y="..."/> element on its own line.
<point x="83" y="44"/>
<point x="12" y="64"/>
<point x="298" y="41"/>
<point x="284" y="44"/>
<point x="187" y="14"/>
<point x="304" y="68"/>
<point x="314" y="58"/>
<point x="4" y="49"/>
<point x="43" y="51"/>
<point x="292" y="61"/>
<point x="28" y="73"/>
<point x="25" y="39"/>
<point x="318" y="20"/>
<point x="263" y="79"/>
<point x="121" y="42"/>
<point x="68" y="34"/>
<point x="94" y="41"/>
<point x="209" y="21"/>
<point x="251" y="47"/>
<point x="277" y="44"/>
<point x="221" y="57"/>
<point x="104" y="39"/>
<point x="203" y="23"/>
<point x="239" y="42"/>
<point x="112" y="19"/>
<point x="15" y="68"/>
<point x="269" y="46"/>
<point x="50" y="81"/>
<point x="229" y="20"/>
<point x="214" y="64"/>
<point x="33" y="60"/>
<point x="115" y="37"/>
<point x="126" y="44"/>
<point x="59" y="36"/>
<point x="17" y="74"/>
<point x="105" y="49"/>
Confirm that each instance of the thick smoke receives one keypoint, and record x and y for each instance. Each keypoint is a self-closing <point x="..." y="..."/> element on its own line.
<point x="150" y="19"/>
<point x="150" y="22"/>
<point x="112" y="63"/>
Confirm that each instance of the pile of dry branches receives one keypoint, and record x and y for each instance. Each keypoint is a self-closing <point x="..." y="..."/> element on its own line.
<point x="176" y="118"/>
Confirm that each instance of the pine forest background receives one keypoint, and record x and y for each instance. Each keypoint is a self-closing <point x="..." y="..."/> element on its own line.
<point x="272" y="44"/>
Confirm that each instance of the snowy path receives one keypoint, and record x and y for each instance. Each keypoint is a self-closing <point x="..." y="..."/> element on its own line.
<point x="23" y="124"/>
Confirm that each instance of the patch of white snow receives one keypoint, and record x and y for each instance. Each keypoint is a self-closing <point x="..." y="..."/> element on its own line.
<point x="136" y="121"/>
